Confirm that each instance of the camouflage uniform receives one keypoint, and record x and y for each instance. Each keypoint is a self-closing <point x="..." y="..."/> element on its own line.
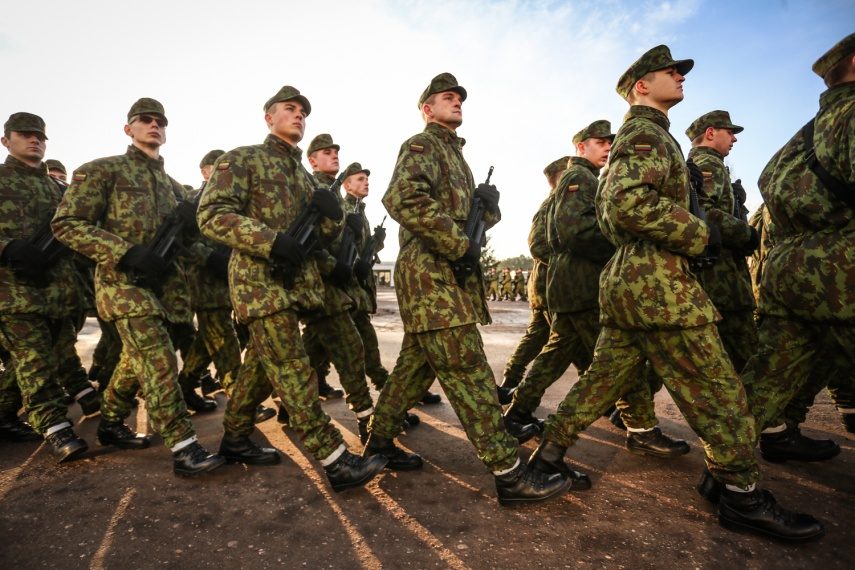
<point x="112" y="204"/>
<point x="505" y="285"/>
<point x="253" y="193"/>
<point x="492" y="281"/>
<point x="651" y="307"/>
<point x="519" y="284"/>
<point x="430" y="195"/>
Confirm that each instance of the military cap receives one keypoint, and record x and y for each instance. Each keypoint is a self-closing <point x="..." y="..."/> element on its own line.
<point x="210" y="158"/>
<point x="441" y="83"/>
<point x="355" y="168"/>
<point x="54" y="164"/>
<point x="556" y="166"/>
<point x="287" y="93"/>
<point x="598" y="129"/>
<point x="25" y="123"/>
<point x="832" y="57"/>
<point x="321" y="142"/>
<point x="714" y="119"/>
<point x="652" y="60"/>
<point x="147" y="105"/>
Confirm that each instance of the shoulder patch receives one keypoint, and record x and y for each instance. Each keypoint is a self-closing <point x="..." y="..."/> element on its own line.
<point x="78" y="177"/>
<point x="706" y="173"/>
<point x="643" y="147"/>
<point x="223" y="166"/>
<point x="414" y="147"/>
<point x="573" y="188"/>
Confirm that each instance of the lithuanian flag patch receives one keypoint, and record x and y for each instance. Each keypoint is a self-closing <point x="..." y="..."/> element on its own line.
<point x="573" y="188"/>
<point x="643" y="148"/>
<point x="223" y="166"/>
<point x="78" y="177"/>
<point x="417" y="148"/>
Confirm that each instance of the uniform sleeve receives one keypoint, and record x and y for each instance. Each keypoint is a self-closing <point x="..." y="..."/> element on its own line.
<point x="409" y="202"/>
<point x="631" y="203"/>
<point x="76" y="220"/>
<point x="221" y="210"/>
<point x="574" y="216"/>
<point x="734" y="232"/>
<point x="538" y="244"/>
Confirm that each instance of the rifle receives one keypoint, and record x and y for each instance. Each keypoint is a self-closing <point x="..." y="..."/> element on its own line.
<point x="50" y="248"/>
<point x="707" y="258"/>
<point x="368" y="253"/>
<point x="474" y="229"/>
<point x="302" y="230"/>
<point x="347" y="249"/>
<point x="166" y="244"/>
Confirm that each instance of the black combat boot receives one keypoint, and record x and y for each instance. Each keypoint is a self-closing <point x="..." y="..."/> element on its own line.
<point x="791" y="444"/>
<point x="351" y="470"/>
<point x="282" y="416"/>
<point x="209" y="384"/>
<point x="327" y="392"/>
<point x="65" y="445"/>
<point x="509" y="384"/>
<point x="398" y="459"/>
<point x="199" y="404"/>
<point x="525" y="484"/>
<point x="516" y="414"/>
<point x="90" y="403"/>
<point x="119" y="435"/>
<point x="195" y="460"/>
<point x="13" y="428"/>
<point x="758" y="512"/>
<point x="430" y="398"/>
<point x="654" y="442"/>
<point x="241" y="449"/>
<point x="616" y="420"/>
<point x="411" y="420"/>
<point x="522" y="432"/>
<point x="708" y="487"/>
<point x="263" y="413"/>
<point x="549" y="458"/>
<point x="848" y="422"/>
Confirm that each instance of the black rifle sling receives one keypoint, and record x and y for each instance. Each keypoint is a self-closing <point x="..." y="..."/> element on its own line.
<point x="837" y="187"/>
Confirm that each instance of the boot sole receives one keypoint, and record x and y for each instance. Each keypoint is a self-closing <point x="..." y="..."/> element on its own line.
<point x="772" y="458"/>
<point x="741" y="527"/>
<point x="560" y="491"/>
<point x="183" y="473"/>
<point x="73" y="454"/>
<point x="267" y="460"/>
<point x="659" y="454"/>
<point x="122" y="445"/>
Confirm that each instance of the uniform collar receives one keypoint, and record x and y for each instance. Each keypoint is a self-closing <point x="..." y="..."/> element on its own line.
<point x="582" y="161"/>
<point x="351" y="199"/>
<point x="649" y="113"/>
<point x="836" y="93"/>
<point x="137" y="154"/>
<point x="24" y="168"/>
<point x="324" y="178"/>
<point x="705" y="150"/>
<point x="445" y="134"/>
<point x="279" y="146"/>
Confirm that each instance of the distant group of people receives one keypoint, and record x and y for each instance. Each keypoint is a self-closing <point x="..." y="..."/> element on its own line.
<point x="505" y="285"/>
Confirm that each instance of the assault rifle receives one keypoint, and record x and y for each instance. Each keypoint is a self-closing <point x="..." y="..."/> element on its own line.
<point x="474" y="229"/>
<point x="709" y="256"/>
<point x="347" y="252"/>
<point x="167" y="244"/>
<point x="50" y="248"/>
<point x="367" y="254"/>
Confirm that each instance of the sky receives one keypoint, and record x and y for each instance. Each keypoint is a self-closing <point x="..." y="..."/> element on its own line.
<point x="536" y="73"/>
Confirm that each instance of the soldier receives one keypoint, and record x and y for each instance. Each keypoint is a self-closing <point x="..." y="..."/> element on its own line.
<point x="57" y="171"/>
<point x="519" y="285"/>
<point x="250" y="201"/>
<point x="492" y="285"/>
<point x="112" y="209"/>
<point x="430" y="195"/>
<point x="651" y="307"/>
<point x="505" y="285"/>
<point x="537" y="332"/>
<point x="726" y="280"/>
<point x="34" y="289"/>
<point x="807" y="303"/>
<point x="579" y="252"/>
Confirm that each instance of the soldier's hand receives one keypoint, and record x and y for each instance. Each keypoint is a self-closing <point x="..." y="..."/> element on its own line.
<point x="217" y="264"/>
<point x="287" y="249"/>
<point x="25" y="259"/>
<point x="327" y="204"/>
<point x="696" y="177"/>
<point x="488" y="195"/>
<point x="354" y="222"/>
<point x="473" y="253"/>
<point x="186" y="212"/>
<point x="145" y="262"/>
<point x="739" y="191"/>
<point x="379" y="234"/>
<point x="753" y="242"/>
<point x="363" y="269"/>
<point x="341" y="274"/>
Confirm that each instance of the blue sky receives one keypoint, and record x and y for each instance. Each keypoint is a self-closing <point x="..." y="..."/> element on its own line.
<point x="536" y="72"/>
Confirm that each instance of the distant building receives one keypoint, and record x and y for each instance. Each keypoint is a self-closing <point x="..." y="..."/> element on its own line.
<point x="383" y="273"/>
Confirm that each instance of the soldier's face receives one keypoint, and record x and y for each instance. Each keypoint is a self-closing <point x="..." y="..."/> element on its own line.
<point x="58" y="175"/>
<point x="206" y="171"/>
<point x="147" y="130"/>
<point x="286" y="120"/>
<point x="446" y="109"/>
<point x="357" y="185"/>
<point x="722" y="140"/>
<point x="596" y="150"/>
<point x="666" y="86"/>
<point x="26" y="147"/>
<point x="325" y="160"/>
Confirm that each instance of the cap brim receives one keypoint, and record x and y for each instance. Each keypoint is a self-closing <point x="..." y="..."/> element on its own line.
<point x="30" y="131"/>
<point x="736" y="129"/>
<point x="683" y="66"/>
<point x="307" y="107"/>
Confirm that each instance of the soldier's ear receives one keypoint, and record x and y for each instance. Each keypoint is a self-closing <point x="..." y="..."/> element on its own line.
<point x="128" y="130"/>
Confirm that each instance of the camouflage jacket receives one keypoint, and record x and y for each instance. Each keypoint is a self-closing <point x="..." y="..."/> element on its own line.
<point x="727" y="281"/>
<point x="28" y="200"/>
<point x="761" y="222"/>
<point x="254" y="193"/>
<point x="367" y="300"/>
<point x="430" y="196"/>
<point x="113" y="204"/>
<point x="207" y="291"/>
<point x="538" y="245"/>
<point x="642" y="205"/>
<point x="579" y="249"/>
<point x="810" y="272"/>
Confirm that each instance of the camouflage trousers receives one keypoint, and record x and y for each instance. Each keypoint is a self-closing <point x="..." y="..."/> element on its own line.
<point x="106" y="355"/>
<point x="456" y="358"/>
<point x="738" y="333"/>
<point x="148" y="361"/>
<point x="337" y="337"/>
<point x="790" y="351"/>
<point x="216" y="340"/>
<point x="528" y="348"/>
<point x="493" y="291"/>
<point x="572" y="338"/>
<point x="841" y="387"/>
<point x="275" y="361"/>
<point x="70" y="373"/>
<point x="30" y="341"/>
<point x="694" y="367"/>
<point x="10" y="394"/>
<point x="374" y="368"/>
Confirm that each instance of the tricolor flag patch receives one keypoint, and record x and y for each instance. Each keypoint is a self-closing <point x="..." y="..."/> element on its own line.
<point x="417" y="148"/>
<point x="223" y="166"/>
<point x="643" y="148"/>
<point x="573" y="188"/>
<point x="706" y="174"/>
<point x="78" y="177"/>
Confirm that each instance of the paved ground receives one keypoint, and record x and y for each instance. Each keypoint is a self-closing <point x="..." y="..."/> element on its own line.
<point x="120" y="509"/>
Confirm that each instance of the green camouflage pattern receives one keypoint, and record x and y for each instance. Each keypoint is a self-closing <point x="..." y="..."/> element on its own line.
<point x="832" y="57"/>
<point x="505" y="285"/>
<point x="762" y="222"/>
<point x="702" y="382"/>
<point x="215" y="340"/>
<point x="601" y="129"/>
<point x="374" y="368"/>
<point x="841" y="387"/>
<point x="439" y="84"/>
<point x="455" y="357"/>
<point x="643" y="206"/>
<point x="532" y="342"/>
<point x="106" y="355"/>
<point x="538" y="246"/>
<point x="716" y="119"/>
<point x="519" y="285"/>
<point x="253" y="193"/>
<point x="491" y="285"/>
<point x="366" y="299"/>
<point x="24" y="123"/>
<point x="430" y="196"/>
<point x="653" y="59"/>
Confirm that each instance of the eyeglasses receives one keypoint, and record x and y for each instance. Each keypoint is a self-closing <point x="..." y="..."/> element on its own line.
<point x="147" y="119"/>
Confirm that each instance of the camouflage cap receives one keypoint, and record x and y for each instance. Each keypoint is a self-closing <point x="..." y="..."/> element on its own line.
<point x="287" y="93"/>
<point x="441" y="83"/>
<point x="556" y="166"/>
<point x="321" y="142"/>
<point x="652" y="60"/>
<point x="355" y="168"/>
<point x="714" y="119"/>
<point x="598" y="129"/>
<point x="24" y="123"/>
<point x="832" y="57"/>
<point x="54" y="164"/>
<point x="210" y="158"/>
<point x="146" y="105"/>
